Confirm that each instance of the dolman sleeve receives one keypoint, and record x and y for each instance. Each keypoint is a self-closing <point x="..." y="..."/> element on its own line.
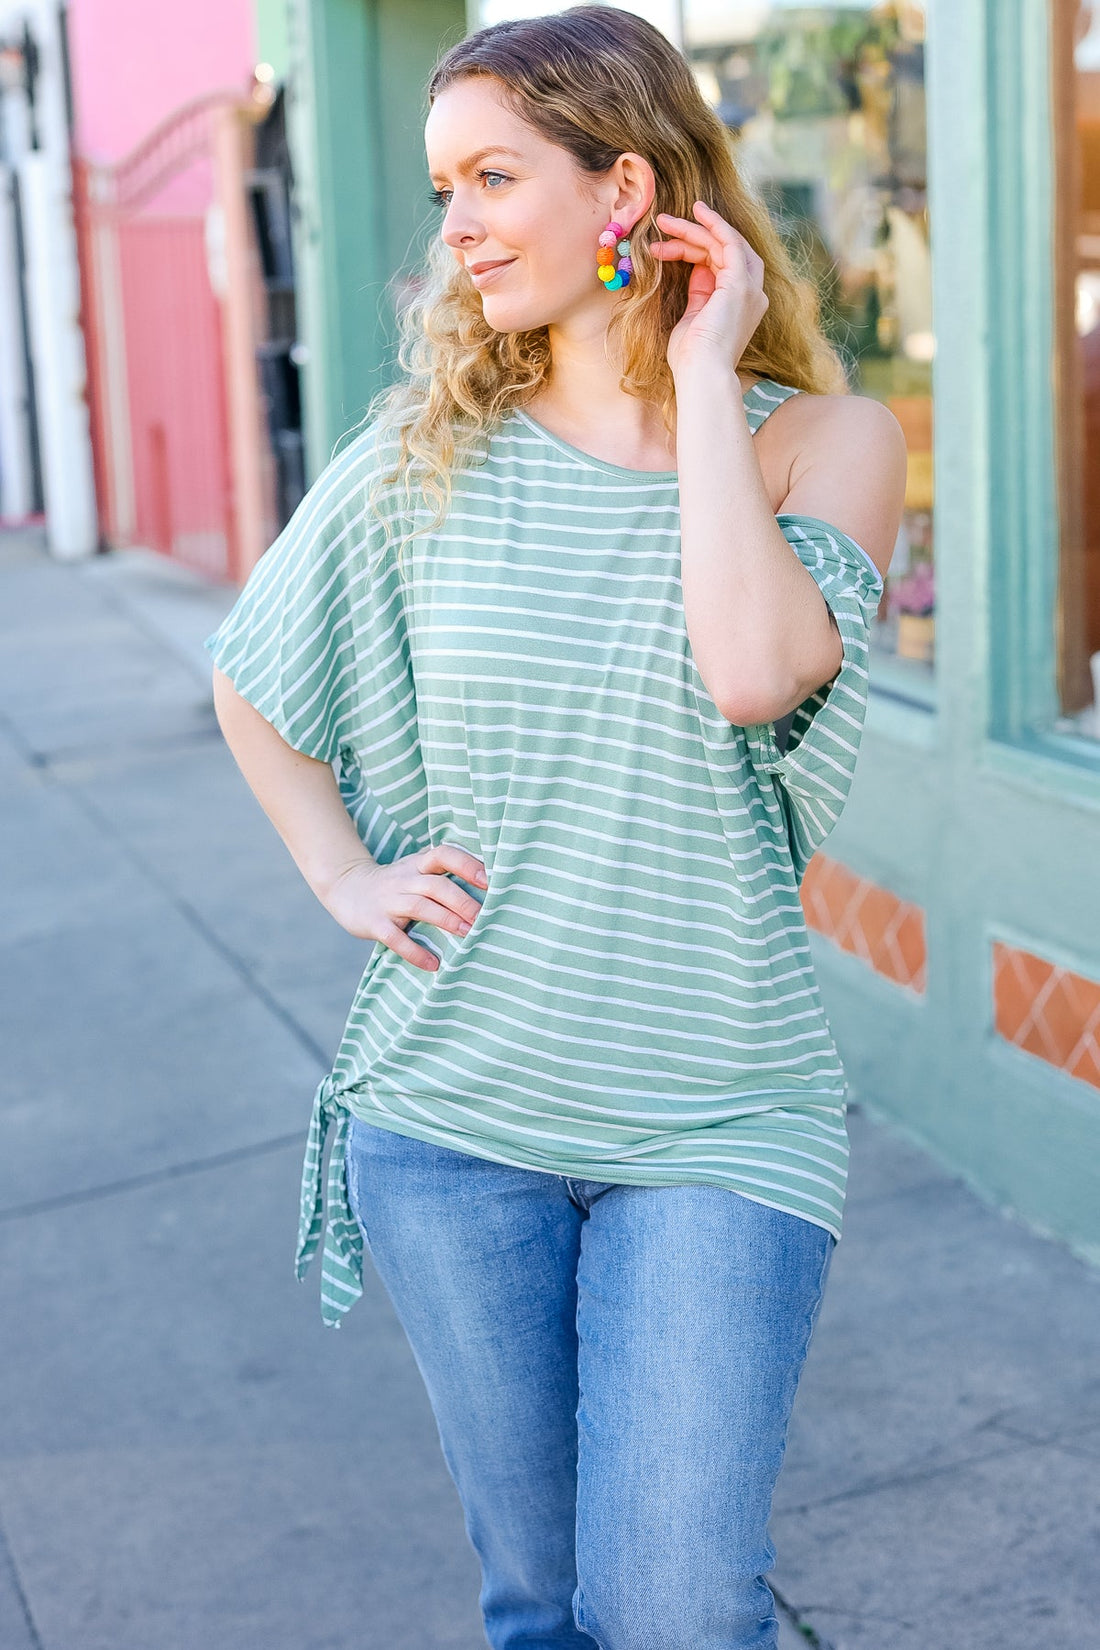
<point x="318" y="642"/>
<point x="307" y="632"/>
<point x="813" y="774"/>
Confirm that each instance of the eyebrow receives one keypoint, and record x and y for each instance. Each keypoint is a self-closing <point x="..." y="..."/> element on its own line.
<point x="479" y="155"/>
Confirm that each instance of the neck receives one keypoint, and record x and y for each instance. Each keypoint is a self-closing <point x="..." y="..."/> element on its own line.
<point x="584" y="372"/>
<point x="580" y="400"/>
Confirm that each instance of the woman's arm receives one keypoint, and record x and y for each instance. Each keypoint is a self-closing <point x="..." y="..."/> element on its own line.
<point x="762" y="635"/>
<point x="301" y="797"/>
<point x="298" y="794"/>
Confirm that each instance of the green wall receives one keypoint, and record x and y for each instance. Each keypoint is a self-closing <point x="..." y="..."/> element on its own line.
<point x="356" y="115"/>
<point x="273" y="35"/>
<point x="970" y="809"/>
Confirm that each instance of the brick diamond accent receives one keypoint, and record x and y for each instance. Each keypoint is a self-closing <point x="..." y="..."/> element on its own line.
<point x="885" y="932"/>
<point x="1047" y="1010"/>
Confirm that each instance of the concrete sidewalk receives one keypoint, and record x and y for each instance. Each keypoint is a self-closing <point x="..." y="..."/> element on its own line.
<point x="187" y="1457"/>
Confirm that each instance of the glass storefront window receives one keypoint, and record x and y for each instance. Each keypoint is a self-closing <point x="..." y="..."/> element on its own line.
<point x="1076" y="101"/>
<point x="826" y="108"/>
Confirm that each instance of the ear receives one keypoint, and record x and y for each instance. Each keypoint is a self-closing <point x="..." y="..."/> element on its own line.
<point x="637" y="186"/>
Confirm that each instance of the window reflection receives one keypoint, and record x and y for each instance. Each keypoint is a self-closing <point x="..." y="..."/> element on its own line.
<point x="1076" y="57"/>
<point x="827" y="111"/>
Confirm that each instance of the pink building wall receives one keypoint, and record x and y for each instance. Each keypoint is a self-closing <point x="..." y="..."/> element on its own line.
<point x="134" y="62"/>
<point x="156" y="280"/>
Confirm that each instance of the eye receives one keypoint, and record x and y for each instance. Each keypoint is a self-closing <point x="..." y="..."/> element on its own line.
<point x="442" y="197"/>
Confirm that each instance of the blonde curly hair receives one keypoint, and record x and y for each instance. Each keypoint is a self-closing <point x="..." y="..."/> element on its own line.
<point x="598" y="82"/>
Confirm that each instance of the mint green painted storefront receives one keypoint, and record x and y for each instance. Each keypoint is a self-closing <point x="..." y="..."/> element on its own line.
<point x="970" y="809"/>
<point x="965" y="805"/>
<point x="355" y="72"/>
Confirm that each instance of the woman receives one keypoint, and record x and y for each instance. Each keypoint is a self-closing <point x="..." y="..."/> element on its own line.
<point x="543" y="614"/>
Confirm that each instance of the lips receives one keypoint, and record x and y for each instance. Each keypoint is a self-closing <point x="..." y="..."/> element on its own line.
<point x="491" y="263"/>
<point x="485" y="274"/>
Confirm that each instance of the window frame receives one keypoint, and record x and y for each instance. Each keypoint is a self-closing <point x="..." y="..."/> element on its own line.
<point x="1026" y="298"/>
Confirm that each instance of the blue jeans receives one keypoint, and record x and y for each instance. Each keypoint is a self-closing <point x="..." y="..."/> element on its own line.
<point x="612" y="1370"/>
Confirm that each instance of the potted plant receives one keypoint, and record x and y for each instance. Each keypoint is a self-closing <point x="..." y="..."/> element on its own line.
<point x="914" y="602"/>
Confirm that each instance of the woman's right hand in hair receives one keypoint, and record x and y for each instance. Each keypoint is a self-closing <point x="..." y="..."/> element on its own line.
<point x="726" y="301"/>
<point x="378" y="902"/>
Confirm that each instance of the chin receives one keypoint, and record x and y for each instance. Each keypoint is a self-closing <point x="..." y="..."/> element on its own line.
<point x="509" y="315"/>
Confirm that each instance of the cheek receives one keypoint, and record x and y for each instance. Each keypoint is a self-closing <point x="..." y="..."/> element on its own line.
<point x="563" y="246"/>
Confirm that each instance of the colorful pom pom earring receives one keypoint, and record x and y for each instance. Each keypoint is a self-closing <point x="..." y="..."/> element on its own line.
<point x="614" y="244"/>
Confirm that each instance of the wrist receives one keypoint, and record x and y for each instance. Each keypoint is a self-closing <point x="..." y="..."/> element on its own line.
<point x="326" y="879"/>
<point x="707" y="374"/>
<point x="710" y="407"/>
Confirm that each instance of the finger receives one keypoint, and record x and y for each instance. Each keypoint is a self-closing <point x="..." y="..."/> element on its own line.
<point x="709" y="222"/>
<point x="723" y="254"/>
<point x="697" y="233"/>
<point x="679" y="249"/>
<point x="716" y="223"/>
<point x="729" y="236"/>
<point x="395" y="939"/>
<point x="453" y="898"/>
<point x="448" y="856"/>
<point x="421" y="907"/>
<point x="706" y="225"/>
<point x="752" y="258"/>
<point x="736" y="243"/>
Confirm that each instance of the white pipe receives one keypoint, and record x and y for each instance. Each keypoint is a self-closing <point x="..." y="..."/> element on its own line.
<point x="57" y="346"/>
<point x="16" y="486"/>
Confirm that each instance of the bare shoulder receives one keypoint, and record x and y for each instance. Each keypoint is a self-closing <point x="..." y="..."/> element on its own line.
<point x="816" y="422"/>
<point x="847" y="463"/>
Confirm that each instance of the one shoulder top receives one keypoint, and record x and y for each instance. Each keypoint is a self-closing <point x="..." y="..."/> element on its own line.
<point x="636" y="1001"/>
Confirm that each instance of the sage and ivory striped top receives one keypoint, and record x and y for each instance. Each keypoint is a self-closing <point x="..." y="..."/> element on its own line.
<point x="636" y="1002"/>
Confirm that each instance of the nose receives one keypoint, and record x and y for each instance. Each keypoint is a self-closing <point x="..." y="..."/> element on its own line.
<point x="460" y="230"/>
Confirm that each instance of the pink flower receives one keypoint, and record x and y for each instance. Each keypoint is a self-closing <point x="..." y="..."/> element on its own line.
<point x="916" y="592"/>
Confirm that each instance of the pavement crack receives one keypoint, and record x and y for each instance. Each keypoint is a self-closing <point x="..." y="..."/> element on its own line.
<point x="814" y="1640"/>
<point x="153" y="1177"/>
<point x="7" y="1562"/>
<point x="26" y="753"/>
<point x="906" y="1477"/>
<point x="862" y="1617"/>
<point x="73" y="759"/>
